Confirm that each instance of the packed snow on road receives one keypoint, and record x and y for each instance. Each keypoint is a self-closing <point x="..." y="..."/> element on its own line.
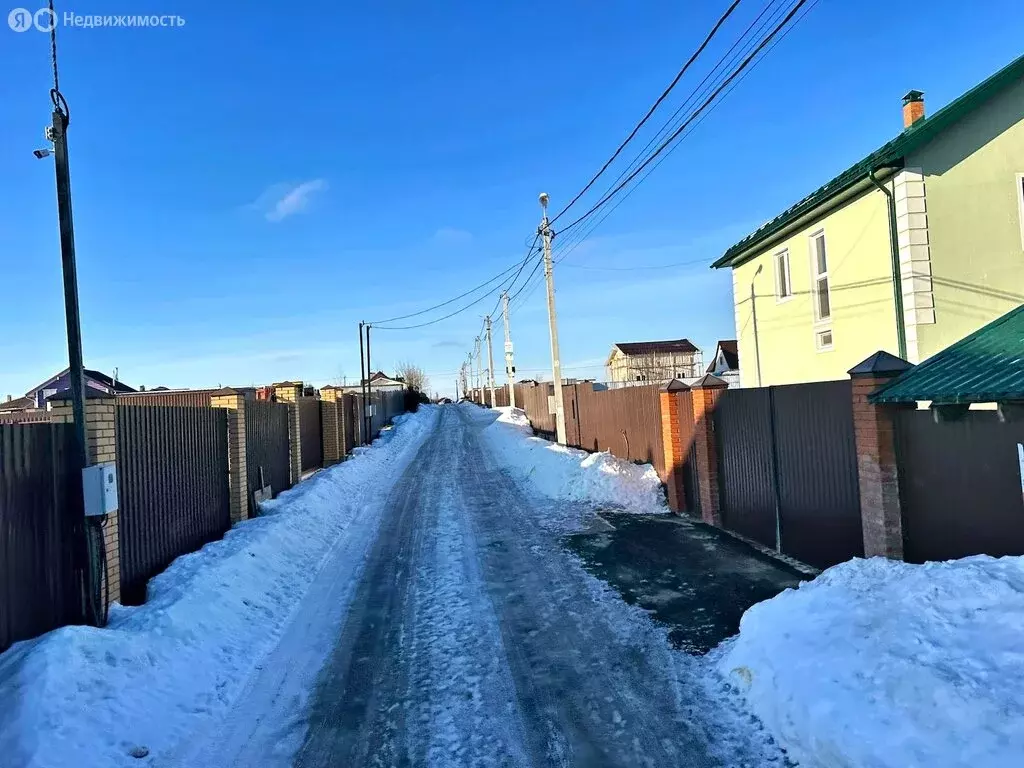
<point x="415" y="605"/>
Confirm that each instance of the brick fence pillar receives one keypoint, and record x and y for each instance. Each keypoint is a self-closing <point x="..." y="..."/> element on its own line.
<point x="877" y="472"/>
<point x="675" y="451"/>
<point x="330" y="412"/>
<point x="101" y="437"/>
<point x="289" y="392"/>
<point x="233" y="402"/>
<point x="705" y="393"/>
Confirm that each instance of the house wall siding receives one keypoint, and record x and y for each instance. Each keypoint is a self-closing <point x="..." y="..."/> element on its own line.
<point x="974" y="230"/>
<point x="863" y="310"/>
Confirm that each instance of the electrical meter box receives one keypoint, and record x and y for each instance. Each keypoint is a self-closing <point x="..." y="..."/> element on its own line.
<point x="99" y="486"/>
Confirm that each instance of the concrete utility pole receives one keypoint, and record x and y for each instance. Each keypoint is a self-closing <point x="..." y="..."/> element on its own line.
<point x="510" y="368"/>
<point x="556" y="362"/>
<point x="490" y="363"/>
<point x="479" y="370"/>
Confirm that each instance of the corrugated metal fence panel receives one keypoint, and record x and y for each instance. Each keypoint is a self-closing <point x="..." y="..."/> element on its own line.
<point x="266" y="446"/>
<point x="625" y="422"/>
<point x="691" y="496"/>
<point x="310" y="433"/>
<point x="350" y="429"/>
<point x="816" y="457"/>
<point x="534" y="401"/>
<point x="25" y="417"/>
<point x="172" y="487"/>
<point x="746" y="463"/>
<point x="960" y="485"/>
<point x="41" y="531"/>
<point x="195" y="398"/>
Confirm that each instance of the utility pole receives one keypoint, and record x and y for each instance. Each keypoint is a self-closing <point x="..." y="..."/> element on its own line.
<point x="510" y="368"/>
<point x="753" y="312"/>
<point x="479" y="370"/>
<point x="490" y="363"/>
<point x="369" y="389"/>
<point x="362" y="385"/>
<point x="556" y="362"/>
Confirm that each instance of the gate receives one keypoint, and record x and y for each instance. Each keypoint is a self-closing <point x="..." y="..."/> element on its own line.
<point x="960" y="485"/>
<point x="172" y="487"/>
<point x="266" y="448"/>
<point x="310" y="433"/>
<point x="41" y="531"/>
<point x="788" y="469"/>
<point x="349" y="428"/>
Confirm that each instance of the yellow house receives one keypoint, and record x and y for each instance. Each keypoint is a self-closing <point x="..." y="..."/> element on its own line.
<point x="930" y="228"/>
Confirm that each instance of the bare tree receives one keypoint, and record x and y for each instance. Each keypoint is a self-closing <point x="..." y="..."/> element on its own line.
<point x="413" y="376"/>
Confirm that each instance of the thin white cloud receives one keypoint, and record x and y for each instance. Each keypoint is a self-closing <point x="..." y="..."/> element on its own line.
<point x="287" y="201"/>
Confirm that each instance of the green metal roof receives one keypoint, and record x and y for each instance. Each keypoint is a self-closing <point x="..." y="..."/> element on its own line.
<point x="985" y="367"/>
<point x="888" y="156"/>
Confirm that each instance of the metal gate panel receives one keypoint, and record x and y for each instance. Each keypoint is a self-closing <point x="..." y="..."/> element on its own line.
<point x="41" y="531"/>
<point x="960" y="485"/>
<point x="266" y="447"/>
<point x="310" y="433"/>
<point x="746" y="463"/>
<point x="172" y="487"/>
<point x="816" y="460"/>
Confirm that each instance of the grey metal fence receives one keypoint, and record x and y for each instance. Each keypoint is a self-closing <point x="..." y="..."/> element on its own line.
<point x="172" y="487"/>
<point x="41" y="531"/>
<point x="266" y="447"/>
<point x="310" y="433"/>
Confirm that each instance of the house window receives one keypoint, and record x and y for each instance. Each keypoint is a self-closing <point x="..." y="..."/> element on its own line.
<point x="823" y="340"/>
<point x="1020" y="205"/>
<point x="819" y="269"/>
<point x="783" y="285"/>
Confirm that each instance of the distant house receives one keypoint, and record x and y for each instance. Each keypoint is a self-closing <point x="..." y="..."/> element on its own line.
<point x="380" y="382"/>
<point x="16" y="404"/>
<point x="653" y="361"/>
<point x="726" y="363"/>
<point x="36" y="397"/>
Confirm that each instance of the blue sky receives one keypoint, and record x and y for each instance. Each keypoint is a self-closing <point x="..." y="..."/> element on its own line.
<point x="251" y="185"/>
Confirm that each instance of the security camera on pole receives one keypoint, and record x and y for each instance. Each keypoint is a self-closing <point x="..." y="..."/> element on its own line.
<point x="556" y="362"/>
<point x="510" y="368"/>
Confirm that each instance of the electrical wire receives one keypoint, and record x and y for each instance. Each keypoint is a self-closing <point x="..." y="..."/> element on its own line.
<point x="654" y="107"/>
<point x="664" y="145"/>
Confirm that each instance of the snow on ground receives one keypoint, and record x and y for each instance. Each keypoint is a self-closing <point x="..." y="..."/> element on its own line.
<point x="568" y="473"/>
<point x="158" y="672"/>
<point x="880" y="663"/>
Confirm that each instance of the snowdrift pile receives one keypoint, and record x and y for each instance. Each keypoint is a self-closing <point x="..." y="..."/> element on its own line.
<point x="571" y="474"/>
<point x="84" y="696"/>
<point x="879" y="663"/>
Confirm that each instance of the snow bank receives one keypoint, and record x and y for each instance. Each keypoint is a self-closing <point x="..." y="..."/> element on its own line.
<point x="85" y="696"/>
<point x="569" y="473"/>
<point x="878" y="663"/>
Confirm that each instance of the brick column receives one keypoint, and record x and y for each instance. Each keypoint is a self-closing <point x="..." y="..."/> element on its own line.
<point x="288" y="392"/>
<point x="877" y="472"/>
<point x="330" y="416"/>
<point x="705" y="393"/>
<point x="101" y="436"/>
<point x="238" y="469"/>
<point x="672" y="439"/>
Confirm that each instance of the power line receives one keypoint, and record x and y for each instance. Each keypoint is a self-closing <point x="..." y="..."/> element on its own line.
<point x="664" y="145"/>
<point x="661" y="98"/>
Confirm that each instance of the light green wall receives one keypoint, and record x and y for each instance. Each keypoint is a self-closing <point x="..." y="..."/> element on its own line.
<point x="863" y="312"/>
<point x="974" y="223"/>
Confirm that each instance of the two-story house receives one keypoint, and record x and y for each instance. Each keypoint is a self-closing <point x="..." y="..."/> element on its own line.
<point x="909" y="250"/>
<point x="653" y="361"/>
<point x="36" y="397"/>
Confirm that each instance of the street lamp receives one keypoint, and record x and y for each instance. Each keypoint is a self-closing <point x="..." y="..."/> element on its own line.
<point x="753" y="310"/>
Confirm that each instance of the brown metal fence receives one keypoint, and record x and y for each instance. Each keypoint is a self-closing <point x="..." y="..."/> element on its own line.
<point x="195" y="398"/>
<point x="25" y="417"/>
<point x="625" y="422"/>
<point x="349" y="426"/>
<point x="788" y="469"/>
<point x="310" y="433"/>
<point x="172" y="487"/>
<point x="266" y="447"/>
<point x="41" y="529"/>
<point x="960" y="485"/>
<point x="534" y="401"/>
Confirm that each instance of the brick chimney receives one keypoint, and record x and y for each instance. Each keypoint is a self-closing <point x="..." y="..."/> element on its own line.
<point x="913" y="108"/>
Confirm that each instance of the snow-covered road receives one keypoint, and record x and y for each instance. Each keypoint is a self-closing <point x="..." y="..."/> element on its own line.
<point x="453" y="629"/>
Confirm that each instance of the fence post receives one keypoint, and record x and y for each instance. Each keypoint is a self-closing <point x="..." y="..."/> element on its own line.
<point x="101" y="438"/>
<point x="233" y="402"/>
<point x="331" y="423"/>
<point x="675" y="451"/>
<point x="706" y="391"/>
<point x="877" y="471"/>
<point x="288" y="392"/>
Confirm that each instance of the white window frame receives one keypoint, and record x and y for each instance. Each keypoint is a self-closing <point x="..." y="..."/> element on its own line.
<point x="818" y="333"/>
<point x="815" y="276"/>
<point x="1020" y="205"/>
<point x="779" y="298"/>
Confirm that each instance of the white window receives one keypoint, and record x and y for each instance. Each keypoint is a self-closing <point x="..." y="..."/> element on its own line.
<point x="821" y="296"/>
<point x="783" y="284"/>
<point x="1020" y="205"/>
<point x="823" y="340"/>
